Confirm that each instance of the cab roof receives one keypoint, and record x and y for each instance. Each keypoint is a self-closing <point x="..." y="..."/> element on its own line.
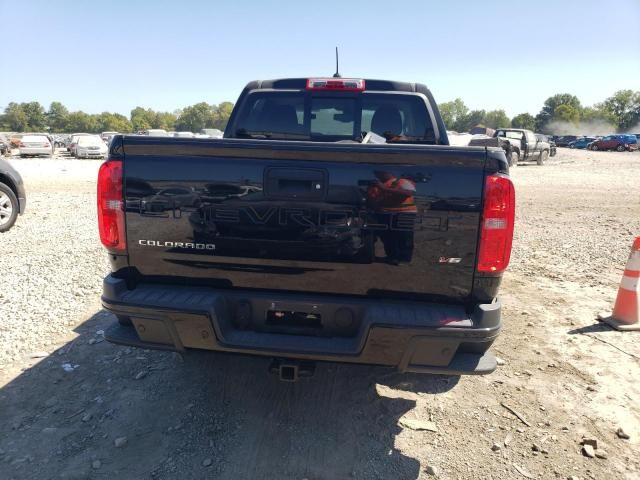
<point x="301" y="83"/>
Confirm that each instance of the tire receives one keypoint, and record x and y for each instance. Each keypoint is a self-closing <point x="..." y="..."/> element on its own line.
<point x="620" y="148"/>
<point x="8" y="208"/>
<point x="513" y="161"/>
<point x="594" y="148"/>
<point x="544" y="156"/>
<point x="572" y="146"/>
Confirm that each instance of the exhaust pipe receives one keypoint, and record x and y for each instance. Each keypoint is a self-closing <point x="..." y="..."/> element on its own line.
<point x="289" y="370"/>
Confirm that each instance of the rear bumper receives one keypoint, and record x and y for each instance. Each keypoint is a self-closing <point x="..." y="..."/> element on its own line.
<point x="412" y="337"/>
<point x="90" y="153"/>
<point x="35" y="151"/>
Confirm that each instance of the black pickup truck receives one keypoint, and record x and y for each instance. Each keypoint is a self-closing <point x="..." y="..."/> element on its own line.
<point x="333" y="222"/>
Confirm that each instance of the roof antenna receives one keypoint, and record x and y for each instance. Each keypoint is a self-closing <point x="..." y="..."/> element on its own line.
<point x="337" y="74"/>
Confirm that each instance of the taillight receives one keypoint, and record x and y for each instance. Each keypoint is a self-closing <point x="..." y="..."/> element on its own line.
<point x="496" y="231"/>
<point x="111" y="206"/>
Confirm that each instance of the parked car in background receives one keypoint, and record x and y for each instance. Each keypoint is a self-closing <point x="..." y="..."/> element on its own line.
<point x="107" y="139"/>
<point x="619" y="143"/>
<point x="183" y="134"/>
<point x="13" y="199"/>
<point x="552" y="144"/>
<point x="582" y="142"/>
<point x="482" y="140"/>
<point x="35" y="145"/>
<point x="60" y="141"/>
<point x="107" y="136"/>
<point x="73" y="141"/>
<point x="524" y="145"/>
<point x="91" y="146"/>
<point x="565" y="140"/>
<point x="5" y="145"/>
<point x="154" y="132"/>
<point x="212" y="132"/>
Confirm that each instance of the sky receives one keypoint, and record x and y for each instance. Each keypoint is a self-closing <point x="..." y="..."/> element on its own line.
<point x="494" y="54"/>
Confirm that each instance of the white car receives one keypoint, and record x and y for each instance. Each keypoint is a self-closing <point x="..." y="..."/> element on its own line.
<point x="32" y="145"/>
<point x="73" y="142"/>
<point x="91" y="146"/>
<point x="155" y="132"/>
<point x="212" y="132"/>
<point x="183" y="134"/>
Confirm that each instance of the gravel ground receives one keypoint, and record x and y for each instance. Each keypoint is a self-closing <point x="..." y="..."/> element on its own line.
<point x="74" y="406"/>
<point x="52" y="264"/>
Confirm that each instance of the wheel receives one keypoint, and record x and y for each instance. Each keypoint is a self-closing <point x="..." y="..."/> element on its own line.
<point x="8" y="208"/>
<point x="513" y="161"/>
<point x="544" y="156"/>
<point x="571" y="145"/>
<point x="620" y="148"/>
<point x="594" y="148"/>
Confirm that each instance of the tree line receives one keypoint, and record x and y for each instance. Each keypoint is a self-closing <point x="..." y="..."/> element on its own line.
<point x="621" y="112"/>
<point x="33" y="117"/>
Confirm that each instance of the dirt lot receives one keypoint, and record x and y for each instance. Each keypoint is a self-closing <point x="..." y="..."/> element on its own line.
<point x="127" y="413"/>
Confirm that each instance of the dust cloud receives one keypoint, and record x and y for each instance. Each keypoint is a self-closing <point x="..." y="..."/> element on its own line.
<point x="591" y="128"/>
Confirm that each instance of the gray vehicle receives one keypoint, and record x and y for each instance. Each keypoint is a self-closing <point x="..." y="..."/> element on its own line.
<point x="5" y="145"/>
<point x="13" y="200"/>
<point x="525" y="146"/>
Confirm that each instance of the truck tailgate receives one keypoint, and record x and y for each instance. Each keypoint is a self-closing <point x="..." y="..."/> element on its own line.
<point x="367" y="220"/>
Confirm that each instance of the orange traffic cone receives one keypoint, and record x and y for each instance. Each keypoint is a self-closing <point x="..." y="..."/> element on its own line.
<point x="626" y="312"/>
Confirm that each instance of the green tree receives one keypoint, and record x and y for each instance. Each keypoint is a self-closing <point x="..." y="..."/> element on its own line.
<point x="472" y="119"/>
<point x="142" y="119"/>
<point x="82" y="122"/>
<point x="453" y="112"/>
<point x="221" y="114"/>
<point x="196" y="117"/>
<point x="567" y="113"/>
<point x="36" y="116"/>
<point x="624" y="106"/>
<point x="113" y="122"/>
<point x="16" y="118"/>
<point x="524" y="120"/>
<point x="164" y="120"/>
<point x="548" y="112"/>
<point x="57" y="117"/>
<point x="496" y="119"/>
<point x="597" y="113"/>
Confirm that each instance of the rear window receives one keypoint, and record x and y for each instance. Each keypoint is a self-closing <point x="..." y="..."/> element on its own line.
<point x="34" y="138"/>
<point x="89" y="141"/>
<point x="510" y="134"/>
<point x="305" y="116"/>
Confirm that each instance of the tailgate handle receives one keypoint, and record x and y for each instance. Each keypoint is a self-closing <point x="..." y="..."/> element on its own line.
<point x="299" y="183"/>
